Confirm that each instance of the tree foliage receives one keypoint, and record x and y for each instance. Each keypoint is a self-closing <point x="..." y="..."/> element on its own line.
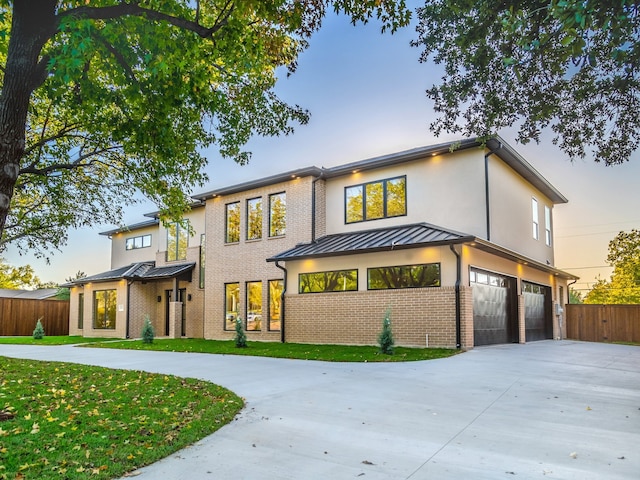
<point x="565" y="64"/>
<point x="107" y="98"/>
<point x="624" y="284"/>
<point x="16" y="278"/>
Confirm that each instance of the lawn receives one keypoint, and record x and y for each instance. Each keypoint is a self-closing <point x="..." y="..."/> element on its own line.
<point x="66" y="421"/>
<point x="328" y="353"/>
<point x="53" y="340"/>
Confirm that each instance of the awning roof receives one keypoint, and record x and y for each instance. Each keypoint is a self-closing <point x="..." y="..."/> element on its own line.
<point x="141" y="271"/>
<point x="367" y="241"/>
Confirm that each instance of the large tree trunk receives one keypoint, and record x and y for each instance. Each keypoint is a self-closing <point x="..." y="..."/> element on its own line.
<point x="33" y="23"/>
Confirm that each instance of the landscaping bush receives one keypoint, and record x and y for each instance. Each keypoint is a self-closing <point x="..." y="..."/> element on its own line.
<point x="385" y="339"/>
<point x="38" y="333"/>
<point x="241" y="337"/>
<point x="147" y="331"/>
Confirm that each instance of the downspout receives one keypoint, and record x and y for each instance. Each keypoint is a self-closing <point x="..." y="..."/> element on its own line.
<point x="458" y="276"/>
<point x="568" y="293"/>
<point x="486" y="189"/>
<point x="313" y="206"/>
<point x="282" y="304"/>
<point x="129" y="282"/>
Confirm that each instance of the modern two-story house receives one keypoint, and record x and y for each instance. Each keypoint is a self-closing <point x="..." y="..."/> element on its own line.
<point x="455" y="240"/>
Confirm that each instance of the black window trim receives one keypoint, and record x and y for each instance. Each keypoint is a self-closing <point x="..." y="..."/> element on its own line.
<point x="408" y="265"/>
<point x="384" y="201"/>
<point x="226" y="223"/>
<point x="332" y="291"/>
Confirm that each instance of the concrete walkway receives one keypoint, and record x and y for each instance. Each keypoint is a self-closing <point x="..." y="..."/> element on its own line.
<point x="551" y="409"/>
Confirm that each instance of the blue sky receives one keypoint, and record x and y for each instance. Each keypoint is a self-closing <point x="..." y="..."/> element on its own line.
<point x="365" y="92"/>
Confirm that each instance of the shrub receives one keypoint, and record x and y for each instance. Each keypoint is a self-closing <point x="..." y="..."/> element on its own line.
<point x="241" y="337"/>
<point x="147" y="330"/>
<point x="385" y="339"/>
<point x="38" y="333"/>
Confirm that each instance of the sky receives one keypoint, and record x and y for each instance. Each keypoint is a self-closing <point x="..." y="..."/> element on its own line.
<point x="366" y="94"/>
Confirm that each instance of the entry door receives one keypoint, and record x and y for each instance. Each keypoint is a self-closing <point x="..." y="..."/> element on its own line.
<point x="182" y="296"/>
<point x="494" y="308"/>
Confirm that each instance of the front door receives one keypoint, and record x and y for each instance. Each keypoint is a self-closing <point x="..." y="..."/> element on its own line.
<point x="182" y="295"/>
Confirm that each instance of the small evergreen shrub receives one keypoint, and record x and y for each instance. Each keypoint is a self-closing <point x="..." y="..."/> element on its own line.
<point x="241" y="337"/>
<point x="38" y="333"/>
<point x="147" y="330"/>
<point x="385" y="339"/>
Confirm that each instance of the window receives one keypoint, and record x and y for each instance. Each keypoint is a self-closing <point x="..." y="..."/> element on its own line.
<point x="547" y="226"/>
<point x="254" y="306"/>
<point x="142" y="241"/>
<point x="202" y="259"/>
<point x="277" y="214"/>
<point x="534" y="217"/>
<point x="375" y="200"/>
<point x="80" y="311"/>
<point x="276" y="287"/>
<point x="232" y="300"/>
<point x="177" y="241"/>
<point x="332" y="281"/>
<point x="254" y="219"/>
<point x="232" y="221"/>
<point x="104" y="309"/>
<point x="407" y="276"/>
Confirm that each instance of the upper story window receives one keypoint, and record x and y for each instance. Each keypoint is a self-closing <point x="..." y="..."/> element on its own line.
<point x="375" y="200"/>
<point x="547" y="226"/>
<point x="141" y="241"/>
<point x="177" y="242"/>
<point x="534" y="218"/>
<point x="254" y="218"/>
<point x="277" y="214"/>
<point x="232" y="222"/>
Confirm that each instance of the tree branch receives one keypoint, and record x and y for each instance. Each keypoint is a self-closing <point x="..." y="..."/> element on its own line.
<point x="69" y="166"/>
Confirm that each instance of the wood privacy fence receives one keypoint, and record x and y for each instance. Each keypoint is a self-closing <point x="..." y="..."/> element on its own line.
<point x="603" y="323"/>
<point x="18" y="316"/>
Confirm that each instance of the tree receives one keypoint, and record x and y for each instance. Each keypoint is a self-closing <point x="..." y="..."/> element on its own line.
<point x="385" y="338"/>
<point x="240" y="337"/>
<point x="38" y="332"/>
<point x="147" y="330"/>
<point x="624" y="284"/>
<point x="572" y="65"/>
<point x="105" y="98"/>
<point x="575" y="297"/>
<point x="18" y="277"/>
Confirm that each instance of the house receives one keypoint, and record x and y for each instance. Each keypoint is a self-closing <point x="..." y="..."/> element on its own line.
<point x="455" y="239"/>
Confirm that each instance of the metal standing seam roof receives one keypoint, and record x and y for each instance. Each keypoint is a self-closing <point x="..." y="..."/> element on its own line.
<point x="137" y="271"/>
<point x="382" y="239"/>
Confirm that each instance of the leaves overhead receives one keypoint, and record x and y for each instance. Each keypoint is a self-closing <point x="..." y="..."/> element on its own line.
<point x="123" y="98"/>
<point x="565" y="64"/>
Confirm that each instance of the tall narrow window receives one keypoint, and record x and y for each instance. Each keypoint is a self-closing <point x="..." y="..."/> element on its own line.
<point x="231" y="301"/>
<point x="277" y="214"/>
<point x="177" y="242"/>
<point x="232" y="221"/>
<point x="254" y="219"/>
<point x="374" y="200"/>
<point x="534" y="218"/>
<point x="254" y="306"/>
<point x="547" y="225"/>
<point x="276" y="287"/>
<point x="104" y="309"/>
<point x="355" y="209"/>
<point x="80" y="311"/>
<point x="203" y="257"/>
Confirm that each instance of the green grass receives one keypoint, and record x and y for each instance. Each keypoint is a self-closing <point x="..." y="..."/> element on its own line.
<point x="54" y="340"/>
<point x="328" y="353"/>
<point x="76" y="422"/>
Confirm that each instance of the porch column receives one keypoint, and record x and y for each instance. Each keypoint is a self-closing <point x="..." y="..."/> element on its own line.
<point x="175" y="313"/>
<point x="522" y="327"/>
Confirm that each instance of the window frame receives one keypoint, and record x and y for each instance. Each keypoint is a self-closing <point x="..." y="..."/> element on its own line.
<point x="202" y="260"/>
<point x="248" y="219"/>
<point x="179" y="231"/>
<point x="363" y="217"/>
<point x="270" y="304"/>
<point x="81" y="311"/>
<point x="227" y="236"/>
<point x="548" y="240"/>
<point x="439" y="281"/>
<point x="535" y="218"/>
<point x="350" y="270"/>
<point x="95" y="308"/>
<point x="271" y="232"/>
<point x="232" y="327"/>
<point x="132" y="241"/>
<point x="247" y="289"/>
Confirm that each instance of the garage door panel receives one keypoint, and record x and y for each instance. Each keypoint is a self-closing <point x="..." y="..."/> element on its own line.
<point x="537" y="314"/>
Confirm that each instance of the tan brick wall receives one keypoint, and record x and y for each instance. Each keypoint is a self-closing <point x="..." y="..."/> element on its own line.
<point x="466" y="317"/>
<point x="356" y="317"/>
<point x="246" y="260"/>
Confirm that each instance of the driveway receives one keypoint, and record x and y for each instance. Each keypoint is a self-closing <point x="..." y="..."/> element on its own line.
<point x="549" y="409"/>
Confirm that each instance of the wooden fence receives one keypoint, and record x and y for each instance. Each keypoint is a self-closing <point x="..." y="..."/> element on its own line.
<point x="603" y="323"/>
<point x="18" y="316"/>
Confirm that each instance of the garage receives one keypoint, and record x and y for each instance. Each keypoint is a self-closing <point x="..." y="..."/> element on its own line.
<point x="537" y="312"/>
<point x="495" y="311"/>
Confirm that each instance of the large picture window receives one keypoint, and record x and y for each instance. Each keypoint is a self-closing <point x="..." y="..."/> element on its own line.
<point x="104" y="309"/>
<point x="177" y="242"/>
<point x="406" y="276"/>
<point x="231" y="301"/>
<point x="276" y="287"/>
<point x="254" y="306"/>
<point x="142" y="241"/>
<point x="232" y="222"/>
<point x="254" y="218"/>
<point x="277" y="214"/>
<point x="375" y="200"/>
<point x="331" y="281"/>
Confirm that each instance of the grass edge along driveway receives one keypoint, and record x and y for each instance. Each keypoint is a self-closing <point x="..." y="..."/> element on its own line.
<point x="61" y="420"/>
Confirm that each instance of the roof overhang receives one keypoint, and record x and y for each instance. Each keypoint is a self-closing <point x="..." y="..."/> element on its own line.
<point x="139" y="272"/>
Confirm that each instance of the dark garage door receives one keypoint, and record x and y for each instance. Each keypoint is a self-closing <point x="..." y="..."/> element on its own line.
<point x="537" y="312"/>
<point x="494" y="318"/>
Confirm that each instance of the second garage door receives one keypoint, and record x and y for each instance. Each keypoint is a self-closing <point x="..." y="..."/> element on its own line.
<point x="494" y="308"/>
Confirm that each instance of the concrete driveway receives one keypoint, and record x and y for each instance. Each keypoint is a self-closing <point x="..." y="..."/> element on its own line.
<point x="550" y="409"/>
